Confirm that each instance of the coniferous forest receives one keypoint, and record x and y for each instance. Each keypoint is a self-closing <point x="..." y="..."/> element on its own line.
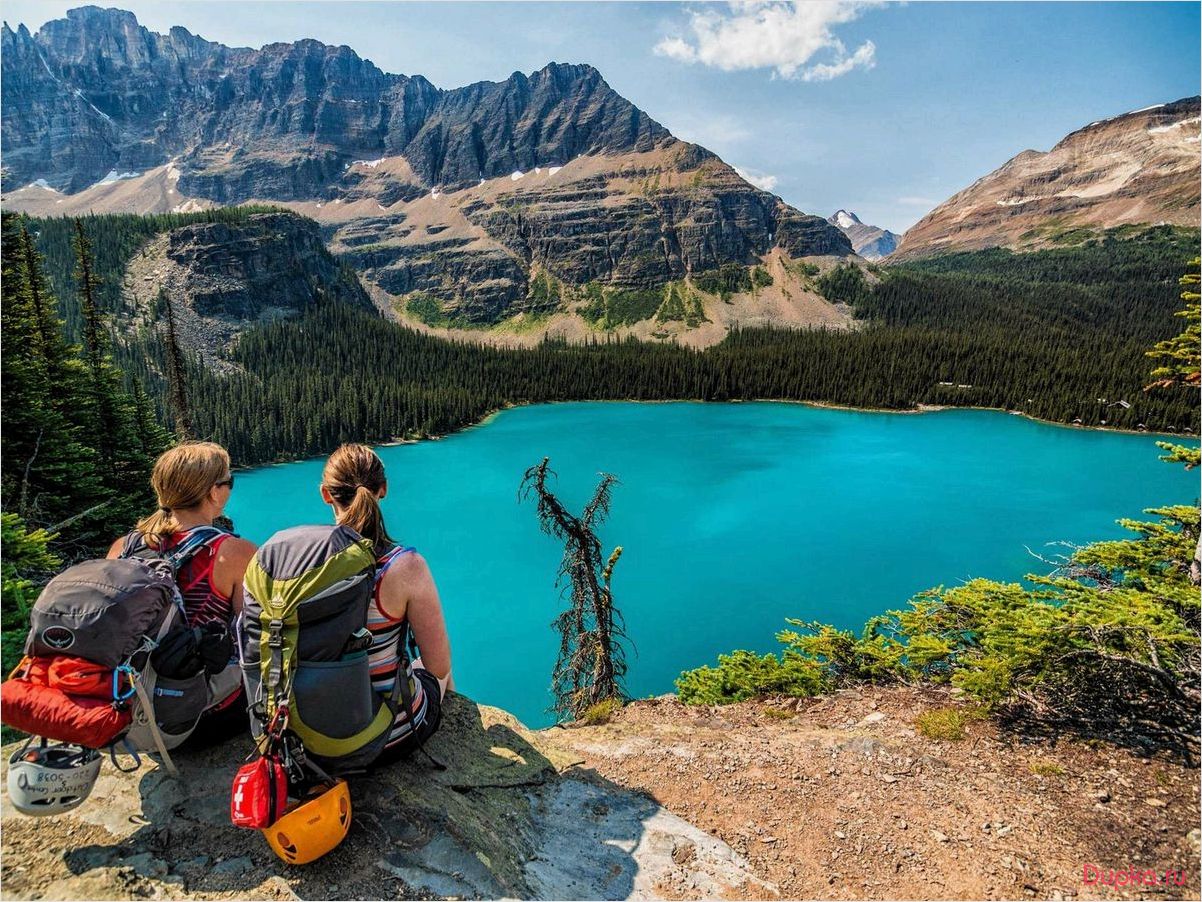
<point x="1058" y="334"/>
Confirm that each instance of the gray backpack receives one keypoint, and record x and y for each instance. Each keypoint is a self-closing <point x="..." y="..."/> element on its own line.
<point x="116" y="613"/>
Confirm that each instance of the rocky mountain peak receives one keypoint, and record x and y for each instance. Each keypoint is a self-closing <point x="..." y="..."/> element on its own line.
<point x="869" y="241"/>
<point x="304" y="109"/>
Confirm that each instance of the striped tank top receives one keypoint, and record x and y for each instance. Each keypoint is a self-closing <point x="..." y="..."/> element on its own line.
<point x="389" y="651"/>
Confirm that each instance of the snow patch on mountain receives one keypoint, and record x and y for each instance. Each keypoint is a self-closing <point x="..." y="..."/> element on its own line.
<point x="115" y="176"/>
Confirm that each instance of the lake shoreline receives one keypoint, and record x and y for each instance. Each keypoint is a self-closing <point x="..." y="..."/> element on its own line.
<point x="819" y="405"/>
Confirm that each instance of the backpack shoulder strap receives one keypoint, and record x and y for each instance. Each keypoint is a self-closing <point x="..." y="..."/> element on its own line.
<point x="194" y="541"/>
<point x="133" y="543"/>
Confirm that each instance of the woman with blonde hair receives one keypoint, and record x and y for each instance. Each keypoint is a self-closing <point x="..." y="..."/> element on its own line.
<point x="405" y="603"/>
<point x="192" y="483"/>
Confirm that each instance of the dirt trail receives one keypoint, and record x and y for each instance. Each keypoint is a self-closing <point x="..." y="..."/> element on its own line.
<point x="843" y="798"/>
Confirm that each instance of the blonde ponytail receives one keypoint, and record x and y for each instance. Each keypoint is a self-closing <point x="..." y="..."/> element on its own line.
<point x="182" y="479"/>
<point x="354" y="477"/>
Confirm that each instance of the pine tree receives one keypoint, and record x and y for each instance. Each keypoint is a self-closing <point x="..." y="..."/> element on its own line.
<point x="153" y="439"/>
<point x="1179" y="355"/>
<point x="47" y="471"/>
<point x="126" y="466"/>
<point x="176" y="372"/>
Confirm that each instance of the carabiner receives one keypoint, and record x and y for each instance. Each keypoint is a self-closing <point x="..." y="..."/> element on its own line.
<point x="279" y="721"/>
<point x="118" y="695"/>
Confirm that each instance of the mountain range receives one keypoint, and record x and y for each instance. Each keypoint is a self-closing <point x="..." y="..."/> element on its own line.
<point x="545" y="204"/>
<point x="528" y="196"/>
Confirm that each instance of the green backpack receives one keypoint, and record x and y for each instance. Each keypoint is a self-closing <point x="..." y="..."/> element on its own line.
<point x="303" y="645"/>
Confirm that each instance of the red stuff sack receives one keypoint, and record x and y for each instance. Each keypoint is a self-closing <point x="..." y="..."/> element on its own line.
<point x="45" y="711"/>
<point x="76" y="676"/>
<point x="259" y="794"/>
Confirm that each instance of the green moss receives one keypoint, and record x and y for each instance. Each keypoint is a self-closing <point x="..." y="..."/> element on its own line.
<point x="1046" y="769"/>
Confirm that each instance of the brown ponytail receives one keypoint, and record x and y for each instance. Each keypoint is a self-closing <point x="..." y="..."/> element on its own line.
<point x="354" y="477"/>
<point x="181" y="480"/>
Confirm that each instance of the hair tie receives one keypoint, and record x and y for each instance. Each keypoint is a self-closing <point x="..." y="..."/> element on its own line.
<point x="165" y="510"/>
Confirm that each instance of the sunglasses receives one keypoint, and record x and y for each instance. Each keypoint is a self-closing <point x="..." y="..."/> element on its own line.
<point x="229" y="482"/>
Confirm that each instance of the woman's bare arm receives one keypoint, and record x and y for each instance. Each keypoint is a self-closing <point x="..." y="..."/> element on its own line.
<point x="408" y="590"/>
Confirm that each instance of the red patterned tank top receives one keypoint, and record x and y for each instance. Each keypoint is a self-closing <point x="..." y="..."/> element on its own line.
<point x="203" y="601"/>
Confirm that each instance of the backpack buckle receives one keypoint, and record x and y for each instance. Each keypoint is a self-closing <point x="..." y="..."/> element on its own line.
<point x="275" y="638"/>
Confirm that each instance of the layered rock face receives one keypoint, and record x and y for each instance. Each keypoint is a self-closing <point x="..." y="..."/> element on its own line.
<point x="461" y="195"/>
<point x="869" y="241"/>
<point x="223" y="277"/>
<point x="629" y="221"/>
<point x="1141" y="167"/>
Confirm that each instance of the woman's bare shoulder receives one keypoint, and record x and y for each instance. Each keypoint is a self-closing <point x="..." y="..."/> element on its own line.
<point x="237" y="549"/>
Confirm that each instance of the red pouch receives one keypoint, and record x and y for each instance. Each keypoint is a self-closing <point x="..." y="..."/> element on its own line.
<point x="259" y="794"/>
<point x="77" y="676"/>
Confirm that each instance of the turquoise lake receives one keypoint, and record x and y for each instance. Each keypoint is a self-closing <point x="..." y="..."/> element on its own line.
<point x="732" y="517"/>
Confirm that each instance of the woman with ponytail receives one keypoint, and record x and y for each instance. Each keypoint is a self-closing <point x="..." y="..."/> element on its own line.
<point x="192" y="483"/>
<point x="405" y="604"/>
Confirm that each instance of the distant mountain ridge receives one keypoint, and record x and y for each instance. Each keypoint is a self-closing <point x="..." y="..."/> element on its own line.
<point x="237" y="120"/>
<point x="473" y="197"/>
<point x="869" y="241"/>
<point x="1139" y="167"/>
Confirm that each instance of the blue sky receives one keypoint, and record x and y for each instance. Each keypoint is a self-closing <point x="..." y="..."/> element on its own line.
<point x="885" y="109"/>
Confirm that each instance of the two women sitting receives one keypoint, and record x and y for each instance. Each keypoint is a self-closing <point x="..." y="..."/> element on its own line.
<point x="193" y="484"/>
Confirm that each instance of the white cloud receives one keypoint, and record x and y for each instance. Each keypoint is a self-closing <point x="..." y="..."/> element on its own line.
<point x="761" y="180"/>
<point x="912" y="201"/>
<point x="863" y="57"/>
<point x="783" y="36"/>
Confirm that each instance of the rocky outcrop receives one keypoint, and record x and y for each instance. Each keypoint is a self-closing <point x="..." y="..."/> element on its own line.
<point x="1141" y="167"/>
<point x="868" y="793"/>
<point x="869" y="241"/>
<point x="223" y="277"/>
<point x="460" y="195"/>
<point x="511" y="816"/>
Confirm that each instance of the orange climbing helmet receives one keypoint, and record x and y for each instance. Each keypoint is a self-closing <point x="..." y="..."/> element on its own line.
<point x="313" y="826"/>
